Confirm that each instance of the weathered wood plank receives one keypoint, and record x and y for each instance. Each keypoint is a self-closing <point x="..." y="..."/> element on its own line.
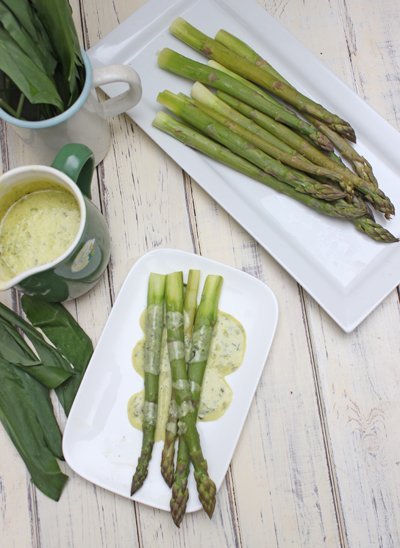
<point x="357" y="375"/>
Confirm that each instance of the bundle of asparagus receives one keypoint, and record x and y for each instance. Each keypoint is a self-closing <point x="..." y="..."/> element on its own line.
<point x="189" y="331"/>
<point x="249" y="124"/>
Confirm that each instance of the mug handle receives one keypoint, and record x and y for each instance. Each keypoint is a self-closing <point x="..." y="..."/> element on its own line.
<point x="76" y="161"/>
<point x="127" y="99"/>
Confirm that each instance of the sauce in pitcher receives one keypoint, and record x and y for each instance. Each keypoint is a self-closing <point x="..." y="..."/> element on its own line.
<point x="37" y="228"/>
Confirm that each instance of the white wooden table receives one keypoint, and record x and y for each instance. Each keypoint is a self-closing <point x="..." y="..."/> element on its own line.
<point x="318" y="463"/>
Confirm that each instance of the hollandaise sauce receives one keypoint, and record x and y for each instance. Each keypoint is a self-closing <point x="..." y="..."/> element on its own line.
<point x="38" y="228"/>
<point x="226" y="355"/>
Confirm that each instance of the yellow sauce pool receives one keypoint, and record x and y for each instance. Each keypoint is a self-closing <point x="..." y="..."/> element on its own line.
<point x="226" y="355"/>
<point x="38" y="228"/>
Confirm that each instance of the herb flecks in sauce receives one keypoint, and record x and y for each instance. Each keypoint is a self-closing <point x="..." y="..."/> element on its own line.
<point x="226" y="355"/>
<point x="38" y="228"/>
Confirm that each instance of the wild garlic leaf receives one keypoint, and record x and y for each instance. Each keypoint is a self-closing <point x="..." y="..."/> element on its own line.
<point x="32" y="82"/>
<point x="67" y="336"/>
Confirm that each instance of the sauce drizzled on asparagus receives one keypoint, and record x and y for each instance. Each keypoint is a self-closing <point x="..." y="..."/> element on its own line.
<point x="226" y="356"/>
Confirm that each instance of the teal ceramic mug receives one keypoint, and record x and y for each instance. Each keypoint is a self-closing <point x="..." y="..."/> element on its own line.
<point x="54" y="242"/>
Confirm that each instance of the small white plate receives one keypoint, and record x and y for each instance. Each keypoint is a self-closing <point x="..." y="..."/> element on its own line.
<point x="347" y="273"/>
<point x="99" y="443"/>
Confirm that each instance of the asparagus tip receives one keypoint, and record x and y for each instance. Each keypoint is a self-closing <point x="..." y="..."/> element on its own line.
<point x="180" y="496"/>
<point x="374" y="230"/>
<point x="137" y="481"/>
<point x="167" y="463"/>
<point x="207" y="492"/>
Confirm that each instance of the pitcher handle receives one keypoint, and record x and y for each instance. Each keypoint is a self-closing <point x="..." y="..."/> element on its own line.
<point x="77" y="162"/>
<point x="127" y="99"/>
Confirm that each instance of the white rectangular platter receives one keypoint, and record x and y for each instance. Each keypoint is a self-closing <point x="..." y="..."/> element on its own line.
<point x="345" y="272"/>
<point x="100" y="444"/>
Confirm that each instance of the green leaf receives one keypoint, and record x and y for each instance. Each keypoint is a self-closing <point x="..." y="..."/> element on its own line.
<point x="32" y="82"/>
<point x="56" y="17"/>
<point x="23" y="12"/>
<point x="67" y="336"/>
<point x="27" y="416"/>
<point x="49" y="356"/>
<point x="29" y="45"/>
<point x="13" y="348"/>
<point x="50" y="377"/>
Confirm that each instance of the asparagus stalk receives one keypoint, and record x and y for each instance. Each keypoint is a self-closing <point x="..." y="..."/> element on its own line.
<point x="182" y="106"/>
<point x="192" y="138"/>
<point x="180" y="491"/>
<point x="360" y="164"/>
<point x="174" y="288"/>
<point x="374" y="230"/>
<point x="214" y="50"/>
<point x="348" y="179"/>
<point x="168" y="452"/>
<point x="205" y="320"/>
<point x="254" y="87"/>
<point x="186" y="410"/>
<point x="249" y="130"/>
<point x="152" y="350"/>
<point x="183" y="66"/>
<point x="234" y="43"/>
<point x="190" y="304"/>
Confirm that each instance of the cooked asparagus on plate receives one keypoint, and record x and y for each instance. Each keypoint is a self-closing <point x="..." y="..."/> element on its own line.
<point x="250" y="123"/>
<point x="180" y="491"/>
<point x="339" y="209"/>
<point x="171" y="430"/>
<point x="152" y="351"/>
<point x="217" y="51"/>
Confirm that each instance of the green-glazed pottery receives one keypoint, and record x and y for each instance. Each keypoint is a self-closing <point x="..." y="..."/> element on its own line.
<point x="81" y="265"/>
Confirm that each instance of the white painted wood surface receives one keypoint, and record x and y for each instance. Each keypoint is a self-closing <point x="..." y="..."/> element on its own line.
<point x="318" y="463"/>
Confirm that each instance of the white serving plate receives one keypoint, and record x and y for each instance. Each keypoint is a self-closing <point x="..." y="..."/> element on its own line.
<point x="347" y="273"/>
<point x="99" y="443"/>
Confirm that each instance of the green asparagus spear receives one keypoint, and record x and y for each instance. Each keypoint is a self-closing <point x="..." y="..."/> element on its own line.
<point x="180" y="491"/>
<point x="183" y="66"/>
<point x="349" y="180"/>
<point x="189" y="309"/>
<point x="214" y="50"/>
<point x="374" y="230"/>
<point x="168" y="452"/>
<point x="176" y="351"/>
<point x="254" y="87"/>
<point x="183" y="107"/>
<point x="152" y="350"/>
<point x="189" y="306"/>
<point x="240" y="48"/>
<point x="361" y="165"/>
<point x="192" y="138"/>
<point x="205" y="320"/>
<point x="186" y="410"/>
<point x="249" y="130"/>
<point x="278" y="142"/>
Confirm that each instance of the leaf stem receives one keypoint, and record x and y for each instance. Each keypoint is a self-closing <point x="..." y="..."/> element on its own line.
<point x="5" y="106"/>
<point x="20" y="105"/>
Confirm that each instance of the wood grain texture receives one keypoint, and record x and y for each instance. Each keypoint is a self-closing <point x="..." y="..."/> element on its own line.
<point x="357" y="375"/>
<point x="318" y="462"/>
